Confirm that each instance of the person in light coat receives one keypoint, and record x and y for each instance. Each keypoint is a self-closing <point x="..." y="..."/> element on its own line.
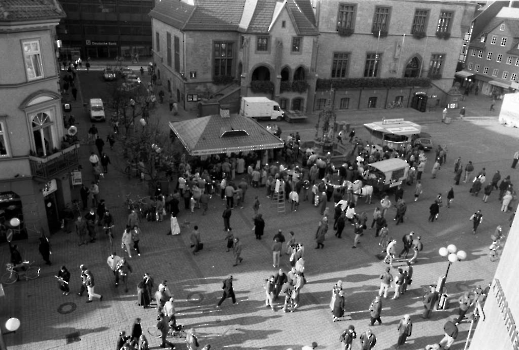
<point x="127" y="240"/>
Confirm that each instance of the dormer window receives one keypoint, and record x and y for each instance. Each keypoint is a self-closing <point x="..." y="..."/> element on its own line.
<point x="483" y="38"/>
<point x="502" y="27"/>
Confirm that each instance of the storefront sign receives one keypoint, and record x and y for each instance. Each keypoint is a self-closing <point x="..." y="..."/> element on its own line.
<point x="50" y="187"/>
<point x="393" y="121"/>
<point x="506" y="313"/>
<point x="77" y="180"/>
<point x="100" y="43"/>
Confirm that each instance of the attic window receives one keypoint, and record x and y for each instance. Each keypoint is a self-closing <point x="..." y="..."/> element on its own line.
<point x="483" y="38"/>
<point x="283" y="24"/>
<point x="234" y="133"/>
<point x="502" y="27"/>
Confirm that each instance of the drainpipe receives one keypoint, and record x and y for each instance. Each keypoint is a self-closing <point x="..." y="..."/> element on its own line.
<point x="360" y="98"/>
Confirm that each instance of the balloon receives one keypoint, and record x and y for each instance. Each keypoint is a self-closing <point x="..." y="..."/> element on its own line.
<point x="461" y="255"/>
<point x="12" y="324"/>
<point x="452" y="248"/>
<point x="443" y="251"/>
<point x="453" y="258"/>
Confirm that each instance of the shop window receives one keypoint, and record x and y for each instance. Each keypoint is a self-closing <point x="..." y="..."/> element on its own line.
<point x="480" y="53"/>
<point x="340" y="64"/>
<point x="297" y="104"/>
<point x="321" y="103"/>
<point x="4" y="149"/>
<point x="509" y="60"/>
<point x="381" y="20"/>
<point x="372" y="102"/>
<point x="477" y="68"/>
<point x="283" y="103"/>
<point x="420" y="21"/>
<point x="499" y="58"/>
<point x="505" y="75"/>
<point x="444" y="22"/>
<point x="42" y="131"/>
<point x="33" y="61"/>
<point x="345" y="103"/>
<point x="503" y="41"/>
<point x="494" y="40"/>
<point x="513" y="77"/>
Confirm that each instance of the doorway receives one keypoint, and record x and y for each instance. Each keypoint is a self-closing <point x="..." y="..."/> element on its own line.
<point x="419" y="102"/>
<point x="52" y="212"/>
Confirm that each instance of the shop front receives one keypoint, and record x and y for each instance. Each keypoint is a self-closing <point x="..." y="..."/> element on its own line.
<point x="101" y="49"/>
<point x="11" y="217"/>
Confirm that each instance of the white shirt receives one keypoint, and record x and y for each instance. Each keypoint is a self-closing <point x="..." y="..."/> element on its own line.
<point x="293" y="196"/>
<point x="94" y="158"/>
<point x="112" y="262"/>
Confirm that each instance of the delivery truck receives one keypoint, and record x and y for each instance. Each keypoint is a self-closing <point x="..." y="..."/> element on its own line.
<point x="261" y="108"/>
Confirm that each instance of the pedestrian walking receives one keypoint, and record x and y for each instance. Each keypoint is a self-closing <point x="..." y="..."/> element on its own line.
<point x="338" y="306"/>
<point x="74" y="93"/>
<point x="405" y="329"/>
<point x="386" y="279"/>
<point x="195" y="240"/>
<point x="417" y="247"/>
<point x="136" y="330"/>
<point x="358" y="230"/>
<point x="385" y="204"/>
<point x="105" y="160"/>
<point x="418" y="190"/>
<point x="408" y="276"/>
<point x="407" y="242"/>
<point x="192" y="340"/>
<point x="341" y="223"/>
<point x="322" y="229"/>
<point x="276" y="253"/>
<point x="476" y="218"/>
<point x="516" y="159"/>
<point x="429" y="301"/>
<point x="451" y="333"/>
<point x="174" y="227"/>
<point x="457" y="164"/>
<point x="162" y="325"/>
<point x="450" y="197"/>
<point x="347" y="337"/>
<point x="92" y="133"/>
<point x="44" y="248"/>
<point x="464" y="304"/>
<point x="64" y="280"/>
<point x="375" y="310"/>
<point x="294" y="200"/>
<point x="228" y="291"/>
<point x="226" y="215"/>
<point x="94" y="194"/>
<point x="495" y="180"/>
<point x="259" y="226"/>
<point x="136" y="237"/>
<point x="435" y="168"/>
<point x="401" y="208"/>
<point x="256" y="205"/>
<point x="113" y="262"/>
<point x="90" y="284"/>
<point x="390" y="252"/>
<point x="468" y="170"/>
<point x="81" y="230"/>
<point x="434" y="211"/>
<point x="84" y="192"/>
<point x="487" y="191"/>
<point x="444" y="114"/>
<point x="462" y="113"/>
<point x="270" y="288"/>
<point x="124" y="269"/>
<point x="126" y="241"/>
<point x="503" y="186"/>
<point x="237" y="248"/>
<point x="83" y="287"/>
<point x="368" y="340"/>
<point x="143" y="297"/>
<point x="399" y="282"/>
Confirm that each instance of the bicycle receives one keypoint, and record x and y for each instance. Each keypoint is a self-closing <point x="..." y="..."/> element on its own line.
<point x="14" y="272"/>
<point x="177" y="332"/>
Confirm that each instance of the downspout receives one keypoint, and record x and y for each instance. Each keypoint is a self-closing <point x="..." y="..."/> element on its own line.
<point x="360" y="98"/>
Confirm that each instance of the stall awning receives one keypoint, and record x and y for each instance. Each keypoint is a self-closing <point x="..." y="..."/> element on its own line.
<point x="398" y="128"/>
<point x="464" y="74"/>
<point x="500" y="84"/>
<point x="216" y="134"/>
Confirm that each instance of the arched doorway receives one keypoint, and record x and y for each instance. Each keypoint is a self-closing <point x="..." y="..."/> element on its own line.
<point x="412" y="69"/>
<point x="42" y="132"/>
<point x="261" y="73"/>
<point x="419" y="102"/>
<point x="297" y="104"/>
<point x="285" y="74"/>
<point x="299" y="74"/>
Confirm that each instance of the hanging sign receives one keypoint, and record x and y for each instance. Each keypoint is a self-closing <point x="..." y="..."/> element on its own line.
<point x="50" y="187"/>
<point x="77" y="180"/>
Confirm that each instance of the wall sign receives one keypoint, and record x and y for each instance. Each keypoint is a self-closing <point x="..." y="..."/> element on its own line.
<point x="76" y="177"/>
<point x="508" y="318"/>
<point x="49" y="187"/>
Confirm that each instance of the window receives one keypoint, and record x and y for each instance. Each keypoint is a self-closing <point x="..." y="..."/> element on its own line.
<point x="346" y="16"/>
<point x="480" y="53"/>
<point x="509" y="60"/>
<point x="485" y="70"/>
<point x="192" y="74"/>
<point x="499" y="58"/>
<point x="495" y="72"/>
<point x="372" y="63"/>
<point x="262" y="43"/>
<point x="42" y="131"/>
<point x="296" y="44"/>
<point x="381" y="19"/>
<point x="444" y="22"/>
<point x="483" y="39"/>
<point x="157" y="41"/>
<point x="3" y="141"/>
<point x="505" y="75"/>
<point x="223" y="58"/>
<point x="471" y="66"/>
<point x="473" y="52"/>
<point x="489" y="56"/>
<point x="321" y="103"/>
<point x="477" y="68"/>
<point x="177" y="54"/>
<point x="345" y="103"/>
<point x="283" y="102"/>
<point x="503" y="41"/>
<point x="517" y="62"/>
<point x="502" y="27"/>
<point x="297" y="104"/>
<point x="494" y="40"/>
<point x="372" y="102"/>
<point x="33" y="62"/>
<point x="340" y="64"/>
<point x="436" y="64"/>
<point x="283" y="24"/>
<point x="419" y="21"/>
<point x="168" y="52"/>
<point x="513" y="77"/>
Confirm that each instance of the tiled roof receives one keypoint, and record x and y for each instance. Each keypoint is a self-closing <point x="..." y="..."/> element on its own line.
<point x="216" y="15"/>
<point x="203" y="136"/>
<point x="306" y="8"/>
<point x="20" y="10"/>
<point x="172" y="12"/>
<point x="303" y="24"/>
<point x="514" y="50"/>
<point x="262" y="16"/>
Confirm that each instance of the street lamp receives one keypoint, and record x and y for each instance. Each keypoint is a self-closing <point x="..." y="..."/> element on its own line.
<point x="453" y="254"/>
<point x="12" y="326"/>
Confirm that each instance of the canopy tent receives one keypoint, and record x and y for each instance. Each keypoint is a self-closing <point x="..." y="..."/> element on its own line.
<point x="463" y="74"/>
<point x="216" y="134"/>
<point x="394" y="126"/>
<point x="500" y="84"/>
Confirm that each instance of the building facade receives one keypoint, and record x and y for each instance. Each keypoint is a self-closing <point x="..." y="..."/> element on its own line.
<point x="388" y="40"/>
<point x="493" y="59"/>
<point x="34" y="162"/>
<point x="107" y="29"/>
<point x="253" y="48"/>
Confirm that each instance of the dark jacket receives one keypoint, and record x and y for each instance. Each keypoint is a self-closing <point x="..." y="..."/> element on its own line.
<point x="375" y="309"/>
<point x="227" y="285"/>
<point x="451" y="329"/>
<point x="434" y="208"/>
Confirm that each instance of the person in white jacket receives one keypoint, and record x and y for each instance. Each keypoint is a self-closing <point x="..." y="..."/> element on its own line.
<point x="126" y="241"/>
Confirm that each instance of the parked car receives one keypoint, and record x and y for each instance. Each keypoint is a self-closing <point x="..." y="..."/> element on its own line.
<point x="124" y="71"/>
<point x="424" y="139"/>
<point x="109" y="74"/>
<point x="132" y="79"/>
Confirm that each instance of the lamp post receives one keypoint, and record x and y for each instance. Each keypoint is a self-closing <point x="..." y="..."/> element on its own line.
<point x="12" y="326"/>
<point x="453" y="254"/>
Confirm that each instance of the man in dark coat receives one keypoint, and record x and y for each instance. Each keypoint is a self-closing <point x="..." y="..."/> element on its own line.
<point x="228" y="291"/>
<point x="226" y="215"/>
<point x="429" y="300"/>
<point x="259" y="226"/>
<point x="407" y="241"/>
<point x="279" y="279"/>
<point x="401" y="208"/>
<point x="44" y="248"/>
<point x="434" y="210"/>
<point x="375" y="310"/>
<point x="341" y="223"/>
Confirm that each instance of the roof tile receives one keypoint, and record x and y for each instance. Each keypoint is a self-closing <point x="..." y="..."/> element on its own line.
<point x="19" y="10"/>
<point x="262" y="16"/>
<point x="216" y="15"/>
<point x="174" y="13"/>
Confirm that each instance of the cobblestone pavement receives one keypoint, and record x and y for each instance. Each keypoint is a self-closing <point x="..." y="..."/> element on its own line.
<point x="51" y="321"/>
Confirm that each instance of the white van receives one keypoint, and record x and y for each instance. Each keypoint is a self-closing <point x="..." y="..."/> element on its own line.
<point x="97" y="110"/>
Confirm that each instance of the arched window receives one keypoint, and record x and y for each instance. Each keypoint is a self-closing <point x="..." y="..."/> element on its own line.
<point x="42" y="131"/>
<point x="299" y="74"/>
<point x="285" y="74"/>
<point x="412" y="69"/>
<point x="261" y="73"/>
